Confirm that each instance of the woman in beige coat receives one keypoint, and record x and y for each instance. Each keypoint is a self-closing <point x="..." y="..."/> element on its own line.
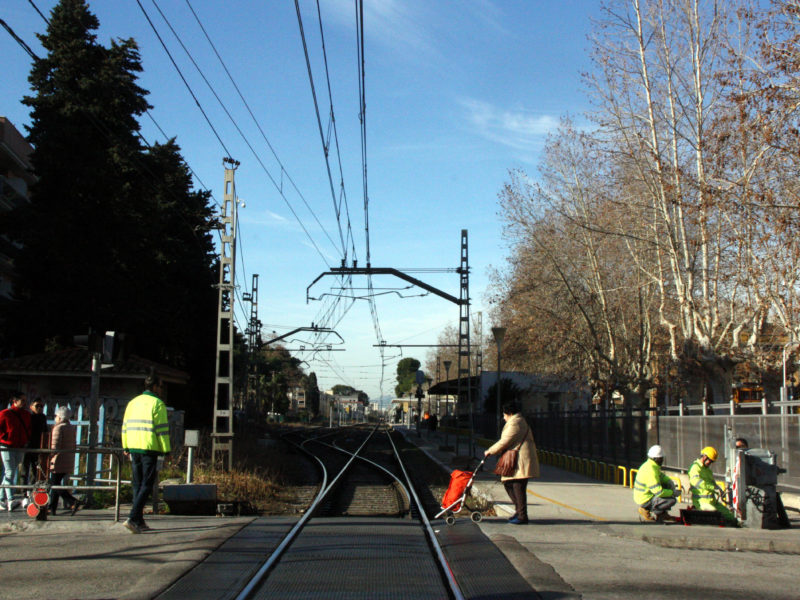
<point x="62" y="440"/>
<point x="517" y="434"/>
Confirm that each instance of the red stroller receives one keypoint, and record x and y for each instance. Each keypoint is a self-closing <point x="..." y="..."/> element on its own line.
<point x="455" y="498"/>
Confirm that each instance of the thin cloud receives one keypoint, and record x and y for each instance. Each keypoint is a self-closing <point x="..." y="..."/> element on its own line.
<point x="398" y="25"/>
<point x="520" y="130"/>
<point x="265" y="217"/>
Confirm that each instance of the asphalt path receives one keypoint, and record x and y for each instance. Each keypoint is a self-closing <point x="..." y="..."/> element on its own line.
<point x="88" y="556"/>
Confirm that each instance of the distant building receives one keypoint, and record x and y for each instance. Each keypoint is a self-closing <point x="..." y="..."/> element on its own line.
<point x="297" y="400"/>
<point x="338" y="408"/>
<point x="16" y="177"/>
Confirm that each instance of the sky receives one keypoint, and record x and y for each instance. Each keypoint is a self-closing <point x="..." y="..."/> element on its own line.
<point x="457" y="94"/>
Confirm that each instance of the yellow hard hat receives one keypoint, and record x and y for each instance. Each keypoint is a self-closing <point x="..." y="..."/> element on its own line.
<point x="710" y="452"/>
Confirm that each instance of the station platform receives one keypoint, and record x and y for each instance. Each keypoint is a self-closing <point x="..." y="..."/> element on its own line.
<point x="560" y="497"/>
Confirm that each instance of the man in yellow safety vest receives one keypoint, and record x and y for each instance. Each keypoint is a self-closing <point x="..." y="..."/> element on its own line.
<point x="705" y="491"/>
<point x="145" y="436"/>
<point x="653" y="491"/>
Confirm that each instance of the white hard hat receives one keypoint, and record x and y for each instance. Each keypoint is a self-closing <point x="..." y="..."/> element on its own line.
<point x="655" y="452"/>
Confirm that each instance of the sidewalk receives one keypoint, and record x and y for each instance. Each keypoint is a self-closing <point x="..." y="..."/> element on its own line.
<point x="561" y="497"/>
<point x="90" y="556"/>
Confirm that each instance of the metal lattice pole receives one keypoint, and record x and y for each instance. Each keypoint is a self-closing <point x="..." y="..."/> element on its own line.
<point x="222" y="434"/>
<point x="464" y="349"/>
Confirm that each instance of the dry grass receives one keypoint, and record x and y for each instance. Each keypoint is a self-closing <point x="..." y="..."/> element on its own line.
<point x="240" y="486"/>
<point x="256" y="477"/>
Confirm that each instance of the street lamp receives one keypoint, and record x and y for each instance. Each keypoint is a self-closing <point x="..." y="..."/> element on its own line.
<point x="499" y="333"/>
<point x="447" y="364"/>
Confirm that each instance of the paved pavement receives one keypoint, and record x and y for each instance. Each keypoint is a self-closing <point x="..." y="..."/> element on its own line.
<point x="584" y="541"/>
<point x="567" y="496"/>
<point x="90" y="556"/>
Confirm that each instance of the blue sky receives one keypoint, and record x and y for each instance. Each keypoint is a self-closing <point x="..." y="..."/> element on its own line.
<point x="457" y="93"/>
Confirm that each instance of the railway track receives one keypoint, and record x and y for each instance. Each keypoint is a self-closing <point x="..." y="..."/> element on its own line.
<point x="363" y="534"/>
<point x="364" y="493"/>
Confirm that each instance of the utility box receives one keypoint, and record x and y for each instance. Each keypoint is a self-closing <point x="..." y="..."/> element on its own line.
<point x="762" y="506"/>
<point x="191" y="498"/>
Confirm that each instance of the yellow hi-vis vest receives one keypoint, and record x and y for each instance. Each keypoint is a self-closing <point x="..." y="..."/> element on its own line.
<point x="145" y="427"/>
<point x="701" y="482"/>
<point x="649" y="482"/>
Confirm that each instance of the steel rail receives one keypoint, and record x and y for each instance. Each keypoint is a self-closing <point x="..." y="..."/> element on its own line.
<point x="434" y="542"/>
<point x="258" y="577"/>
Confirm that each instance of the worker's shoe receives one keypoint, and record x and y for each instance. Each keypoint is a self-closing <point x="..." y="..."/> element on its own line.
<point x="665" y="518"/>
<point x="518" y="521"/>
<point x="644" y="515"/>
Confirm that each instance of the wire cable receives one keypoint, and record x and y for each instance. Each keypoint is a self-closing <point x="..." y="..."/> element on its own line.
<point x="258" y="125"/>
<point x="186" y="83"/>
<point x="246" y="141"/>
<point x="325" y="143"/>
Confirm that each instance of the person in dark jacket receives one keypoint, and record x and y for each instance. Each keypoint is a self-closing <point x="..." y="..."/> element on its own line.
<point x="31" y="473"/>
<point x="15" y="431"/>
<point x="62" y="461"/>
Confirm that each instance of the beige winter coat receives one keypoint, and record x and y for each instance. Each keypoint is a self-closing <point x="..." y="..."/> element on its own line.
<point x="62" y="438"/>
<point x="515" y="431"/>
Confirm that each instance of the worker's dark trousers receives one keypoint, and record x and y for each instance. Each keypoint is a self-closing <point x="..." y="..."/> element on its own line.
<point x="517" y="490"/>
<point x="144" y="468"/>
<point x="658" y="506"/>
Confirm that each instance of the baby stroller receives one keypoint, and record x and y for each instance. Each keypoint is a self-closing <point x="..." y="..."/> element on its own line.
<point x="455" y="498"/>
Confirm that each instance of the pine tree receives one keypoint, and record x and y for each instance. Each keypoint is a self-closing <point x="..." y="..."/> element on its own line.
<point x="115" y="237"/>
<point x="80" y="236"/>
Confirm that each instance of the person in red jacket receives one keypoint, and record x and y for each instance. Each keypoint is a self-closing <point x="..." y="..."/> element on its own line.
<point x="15" y="431"/>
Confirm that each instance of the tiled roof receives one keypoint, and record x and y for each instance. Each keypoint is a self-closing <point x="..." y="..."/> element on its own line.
<point x="77" y="362"/>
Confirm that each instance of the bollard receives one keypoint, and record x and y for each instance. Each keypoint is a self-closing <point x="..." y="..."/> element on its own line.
<point x="624" y="474"/>
<point x="631" y="476"/>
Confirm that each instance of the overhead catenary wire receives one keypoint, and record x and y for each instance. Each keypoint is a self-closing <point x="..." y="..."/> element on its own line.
<point x="258" y="125"/>
<point x="36" y="8"/>
<point x="325" y="142"/>
<point x="185" y="83"/>
<point x="278" y="187"/>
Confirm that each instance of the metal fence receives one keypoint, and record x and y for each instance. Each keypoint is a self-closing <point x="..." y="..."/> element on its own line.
<point x="614" y="436"/>
<point x="683" y="437"/>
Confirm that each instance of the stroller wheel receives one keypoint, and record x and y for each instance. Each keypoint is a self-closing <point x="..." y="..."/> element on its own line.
<point x="476" y="517"/>
<point x="450" y="520"/>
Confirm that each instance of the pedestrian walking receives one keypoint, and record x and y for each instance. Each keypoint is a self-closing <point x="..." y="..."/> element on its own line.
<point x="62" y="461"/>
<point x="145" y="437"/>
<point x="34" y="462"/>
<point x="15" y="431"/>
<point x="517" y="434"/>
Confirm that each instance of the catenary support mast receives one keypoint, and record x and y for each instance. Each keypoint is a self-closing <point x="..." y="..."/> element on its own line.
<point x="222" y="434"/>
<point x="464" y="348"/>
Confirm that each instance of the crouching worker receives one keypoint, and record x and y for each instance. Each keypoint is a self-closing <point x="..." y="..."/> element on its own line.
<point x="653" y="491"/>
<point x="705" y="491"/>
